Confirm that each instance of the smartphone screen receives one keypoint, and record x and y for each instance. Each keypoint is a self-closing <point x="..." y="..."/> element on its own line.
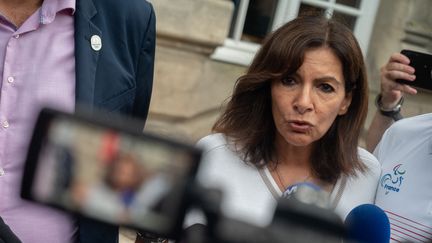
<point x="104" y="172"/>
<point x="422" y="63"/>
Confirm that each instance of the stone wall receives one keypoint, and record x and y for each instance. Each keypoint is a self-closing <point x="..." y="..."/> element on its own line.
<point x="189" y="87"/>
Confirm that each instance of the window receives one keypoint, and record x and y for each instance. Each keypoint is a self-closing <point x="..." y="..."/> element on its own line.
<point x="254" y="19"/>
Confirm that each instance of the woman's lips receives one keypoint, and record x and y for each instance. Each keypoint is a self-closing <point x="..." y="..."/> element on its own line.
<point x="300" y="126"/>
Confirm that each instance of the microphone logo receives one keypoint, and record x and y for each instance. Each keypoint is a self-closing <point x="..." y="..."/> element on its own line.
<point x="294" y="188"/>
<point x="393" y="181"/>
<point x="308" y="193"/>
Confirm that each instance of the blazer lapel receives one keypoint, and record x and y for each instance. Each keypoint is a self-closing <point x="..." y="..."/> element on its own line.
<point x="85" y="57"/>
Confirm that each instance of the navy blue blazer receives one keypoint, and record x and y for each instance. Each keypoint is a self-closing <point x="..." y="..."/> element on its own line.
<point x="117" y="78"/>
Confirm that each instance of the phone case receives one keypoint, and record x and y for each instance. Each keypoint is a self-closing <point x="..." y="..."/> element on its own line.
<point x="422" y="63"/>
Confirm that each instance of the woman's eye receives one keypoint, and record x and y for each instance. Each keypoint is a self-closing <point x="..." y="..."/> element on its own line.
<point x="327" y="88"/>
<point x="288" y="81"/>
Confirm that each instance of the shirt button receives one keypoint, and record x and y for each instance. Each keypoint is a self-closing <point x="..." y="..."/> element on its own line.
<point x="5" y="124"/>
<point x="10" y="79"/>
<point x="2" y="172"/>
<point x="16" y="36"/>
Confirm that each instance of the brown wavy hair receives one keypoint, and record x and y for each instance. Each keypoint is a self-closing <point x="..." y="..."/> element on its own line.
<point x="248" y="122"/>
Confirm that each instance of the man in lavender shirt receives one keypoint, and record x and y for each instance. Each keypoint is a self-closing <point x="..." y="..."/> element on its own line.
<point x="60" y="53"/>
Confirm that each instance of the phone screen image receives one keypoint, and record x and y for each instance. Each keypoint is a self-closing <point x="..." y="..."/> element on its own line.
<point x="422" y="63"/>
<point x="107" y="174"/>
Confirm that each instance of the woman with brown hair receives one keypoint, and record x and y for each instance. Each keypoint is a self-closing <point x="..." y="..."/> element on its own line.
<point x="295" y="117"/>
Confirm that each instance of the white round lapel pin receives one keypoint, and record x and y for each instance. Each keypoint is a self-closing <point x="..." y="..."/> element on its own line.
<point x="96" y="42"/>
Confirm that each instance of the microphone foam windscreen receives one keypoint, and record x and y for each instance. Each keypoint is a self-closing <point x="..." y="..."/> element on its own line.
<point x="368" y="223"/>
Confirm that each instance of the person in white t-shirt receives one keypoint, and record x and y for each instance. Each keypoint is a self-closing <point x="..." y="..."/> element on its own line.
<point x="294" y="117"/>
<point x="404" y="148"/>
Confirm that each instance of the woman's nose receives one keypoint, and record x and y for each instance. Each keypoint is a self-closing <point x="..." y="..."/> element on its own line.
<point x="303" y="101"/>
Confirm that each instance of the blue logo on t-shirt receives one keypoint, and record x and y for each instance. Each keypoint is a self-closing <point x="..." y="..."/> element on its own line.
<point x="392" y="182"/>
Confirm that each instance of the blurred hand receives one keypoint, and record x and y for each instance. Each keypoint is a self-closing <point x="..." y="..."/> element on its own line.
<point x="396" y="68"/>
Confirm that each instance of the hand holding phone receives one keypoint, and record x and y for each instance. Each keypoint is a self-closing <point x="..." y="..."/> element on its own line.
<point x="422" y="63"/>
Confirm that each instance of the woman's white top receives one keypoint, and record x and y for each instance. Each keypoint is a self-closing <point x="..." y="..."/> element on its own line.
<point x="250" y="194"/>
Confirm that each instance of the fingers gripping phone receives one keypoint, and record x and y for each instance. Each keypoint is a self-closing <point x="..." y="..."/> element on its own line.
<point x="422" y="63"/>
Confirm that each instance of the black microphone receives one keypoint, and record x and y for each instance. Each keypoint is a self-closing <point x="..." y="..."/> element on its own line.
<point x="369" y="224"/>
<point x="304" y="214"/>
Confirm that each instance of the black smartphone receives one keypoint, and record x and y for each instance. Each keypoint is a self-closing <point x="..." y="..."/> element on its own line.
<point x="104" y="170"/>
<point x="422" y="63"/>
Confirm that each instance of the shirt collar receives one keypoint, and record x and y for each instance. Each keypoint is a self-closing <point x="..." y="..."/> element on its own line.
<point x="50" y="8"/>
